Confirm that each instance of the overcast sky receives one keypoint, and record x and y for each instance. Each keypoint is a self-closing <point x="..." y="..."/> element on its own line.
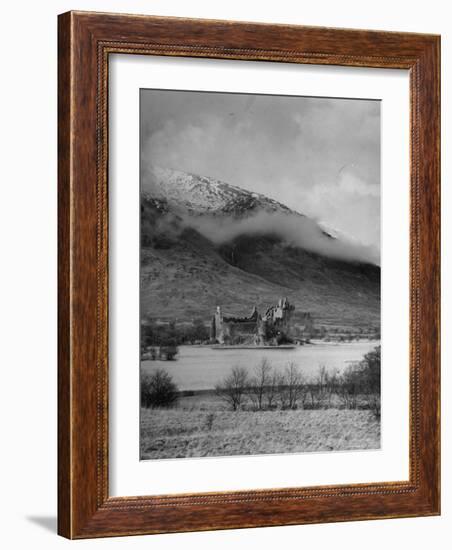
<point x="318" y="156"/>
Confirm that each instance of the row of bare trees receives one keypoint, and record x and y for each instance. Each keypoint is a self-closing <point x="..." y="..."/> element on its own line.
<point x="266" y="389"/>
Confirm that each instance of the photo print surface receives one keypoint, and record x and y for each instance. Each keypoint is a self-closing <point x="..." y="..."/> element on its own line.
<point x="259" y="275"/>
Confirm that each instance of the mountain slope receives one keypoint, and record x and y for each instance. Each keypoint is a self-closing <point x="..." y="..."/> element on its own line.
<point x="202" y="247"/>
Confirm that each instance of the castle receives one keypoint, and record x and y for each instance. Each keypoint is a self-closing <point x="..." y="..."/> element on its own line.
<point x="268" y="329"/>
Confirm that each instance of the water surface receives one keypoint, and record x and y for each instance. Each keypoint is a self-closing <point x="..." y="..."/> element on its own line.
<point x="201" y="367"/>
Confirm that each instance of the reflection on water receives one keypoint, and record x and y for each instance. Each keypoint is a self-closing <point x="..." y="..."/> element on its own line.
<point x="200" y="368"/>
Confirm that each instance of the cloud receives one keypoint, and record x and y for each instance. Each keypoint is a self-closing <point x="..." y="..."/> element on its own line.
<point x="349" y="182"/>
<point x="291" y="149"/>
<point x="293" y="229"/>
<point x="349" y="205"/>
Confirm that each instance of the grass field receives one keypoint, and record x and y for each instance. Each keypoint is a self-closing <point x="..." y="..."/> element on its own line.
<point x="199" y="428"/>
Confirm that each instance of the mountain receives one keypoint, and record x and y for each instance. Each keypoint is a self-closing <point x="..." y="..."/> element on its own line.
<point x="204" y="195"/>
<point x="207" y="243"/>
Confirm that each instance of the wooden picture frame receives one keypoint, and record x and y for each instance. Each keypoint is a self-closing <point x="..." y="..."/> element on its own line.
<point x="85" y="42"/>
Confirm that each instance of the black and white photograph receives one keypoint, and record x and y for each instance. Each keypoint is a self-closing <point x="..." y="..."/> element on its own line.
<point x="259" y="274"/>
<point x="224" y="239"/>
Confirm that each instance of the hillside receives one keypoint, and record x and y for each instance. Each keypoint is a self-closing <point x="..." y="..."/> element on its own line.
<point x="205" y="243"/>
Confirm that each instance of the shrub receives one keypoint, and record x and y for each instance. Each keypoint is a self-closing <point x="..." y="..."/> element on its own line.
<point x="169" y="351"/>
<point x="158" y="390"/>
<point x="375" y="406"/>
<point x="362" y="378"/>
<point x="372" y="370"/>
<point x="209" y="421"/>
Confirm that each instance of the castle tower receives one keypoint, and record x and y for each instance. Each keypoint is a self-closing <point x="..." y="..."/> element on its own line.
<point x="219" y="334"/>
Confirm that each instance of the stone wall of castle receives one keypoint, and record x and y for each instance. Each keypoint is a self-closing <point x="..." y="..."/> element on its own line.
<point x="256" y="329"/>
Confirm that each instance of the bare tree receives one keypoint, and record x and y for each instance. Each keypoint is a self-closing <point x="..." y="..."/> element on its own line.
<point x="292" y="387"/>
<point x="259" y="383"/>
<point x="320" y="390"/>
<point x="332" y="384"/>
<point x="233" y="387"/>
<point x="272" y="390"/>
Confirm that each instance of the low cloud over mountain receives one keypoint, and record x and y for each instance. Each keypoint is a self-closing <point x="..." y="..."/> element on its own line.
<point x="207" y="242"/>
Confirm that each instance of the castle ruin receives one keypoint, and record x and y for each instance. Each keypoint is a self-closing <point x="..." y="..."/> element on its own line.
<point x="269" y="329"/>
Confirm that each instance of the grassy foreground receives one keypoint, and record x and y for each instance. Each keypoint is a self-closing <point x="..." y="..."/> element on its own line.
<point x="193" y="432"/>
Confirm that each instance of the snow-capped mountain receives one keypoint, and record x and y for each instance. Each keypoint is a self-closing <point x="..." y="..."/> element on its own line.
<point x="204" y="195"/>
<point x="222" y="212"/>
<point x="205" y="243"/>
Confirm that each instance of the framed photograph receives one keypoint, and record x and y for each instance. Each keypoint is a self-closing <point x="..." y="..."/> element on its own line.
<point x="248" y="275"/>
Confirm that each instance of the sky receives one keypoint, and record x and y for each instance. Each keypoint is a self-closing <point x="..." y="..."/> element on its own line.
<point x="319" y="156"/>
